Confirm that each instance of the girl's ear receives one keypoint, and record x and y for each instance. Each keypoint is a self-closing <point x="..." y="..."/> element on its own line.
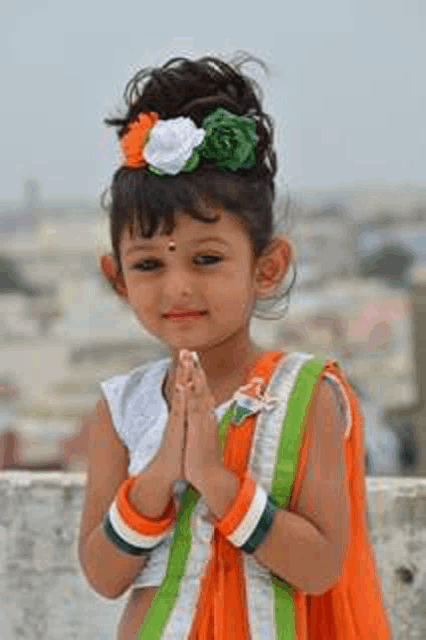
<point x="110" y="272"/>
<point x="273" y="266"/>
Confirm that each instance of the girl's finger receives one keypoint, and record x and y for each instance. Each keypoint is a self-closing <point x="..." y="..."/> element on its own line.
<point x="193" y="401"/>
<point x="184" y="357"/>
<point x="182" y="376"/>
<point x="179" y="396"/>
<point x="182" y="373"/>
<point x="191" y="386"/>
<point x="200" y="380"/>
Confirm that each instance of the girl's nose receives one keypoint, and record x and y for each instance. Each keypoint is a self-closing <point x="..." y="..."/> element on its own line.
<point x="178" y="283"/>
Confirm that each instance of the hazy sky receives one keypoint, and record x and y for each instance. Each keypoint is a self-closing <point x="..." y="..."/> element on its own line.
<point x="347" y="87"/>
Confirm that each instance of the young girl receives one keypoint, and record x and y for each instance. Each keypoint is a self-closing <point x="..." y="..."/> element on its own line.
<point x="225" y="488"/>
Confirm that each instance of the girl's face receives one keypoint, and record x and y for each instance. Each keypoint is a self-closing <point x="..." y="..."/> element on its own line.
<point x="211" y="270"/>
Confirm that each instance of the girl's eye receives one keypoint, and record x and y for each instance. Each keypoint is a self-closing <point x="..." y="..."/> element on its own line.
<point x="214" y="259"/>
<point x="151" y="264"/>
<point x="142" y="266"/>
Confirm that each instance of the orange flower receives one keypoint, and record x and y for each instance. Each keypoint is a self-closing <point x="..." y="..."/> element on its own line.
<point x="133" y="141"/>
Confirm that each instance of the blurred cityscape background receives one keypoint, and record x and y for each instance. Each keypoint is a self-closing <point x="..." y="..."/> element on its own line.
<point x="360" y="297"/>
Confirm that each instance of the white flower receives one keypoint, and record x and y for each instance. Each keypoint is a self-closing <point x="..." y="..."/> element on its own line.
<point x="171" y="143"/>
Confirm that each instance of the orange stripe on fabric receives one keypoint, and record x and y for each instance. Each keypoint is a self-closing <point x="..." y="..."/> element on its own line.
<point x="238" y="508"/>
<point x="135" y="520"/>
<point x="222" y="607"/>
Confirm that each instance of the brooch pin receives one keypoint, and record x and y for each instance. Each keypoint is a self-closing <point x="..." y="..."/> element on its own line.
<point x="251" y="399"/>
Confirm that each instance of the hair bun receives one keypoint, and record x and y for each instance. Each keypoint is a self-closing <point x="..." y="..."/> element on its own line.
<point x="199" y="108"/>
<point x="183" y="87"/>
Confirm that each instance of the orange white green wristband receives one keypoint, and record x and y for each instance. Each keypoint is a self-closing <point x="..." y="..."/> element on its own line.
<point x="130" y="531"/>
<point x="249" y="518"/>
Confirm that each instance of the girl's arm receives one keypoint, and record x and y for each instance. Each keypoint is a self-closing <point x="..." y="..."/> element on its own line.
<point x="108" y="570"/>
<point x="307" y="547"/>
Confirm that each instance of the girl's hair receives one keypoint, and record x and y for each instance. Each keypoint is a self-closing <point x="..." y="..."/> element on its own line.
<point x="145" y="203"/>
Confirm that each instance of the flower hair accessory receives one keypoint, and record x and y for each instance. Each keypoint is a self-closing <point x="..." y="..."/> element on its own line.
<point x="133" y="141"/>
<point x="168" y="147"/>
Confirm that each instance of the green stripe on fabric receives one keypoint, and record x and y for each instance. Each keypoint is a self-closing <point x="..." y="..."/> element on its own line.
<point x="165" y="598"/>
<point x="222" y="428"/>
<point x="282" y="482"/>
<point x="291" y="435"/>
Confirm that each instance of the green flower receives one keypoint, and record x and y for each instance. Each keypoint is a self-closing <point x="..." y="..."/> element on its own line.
<point x="230" y="140"/>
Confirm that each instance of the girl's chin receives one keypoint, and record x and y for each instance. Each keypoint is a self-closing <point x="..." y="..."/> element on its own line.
<point x="186" y="343"/>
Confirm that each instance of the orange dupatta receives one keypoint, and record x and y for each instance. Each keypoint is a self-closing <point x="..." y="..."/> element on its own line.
<point x="353" y="608"/>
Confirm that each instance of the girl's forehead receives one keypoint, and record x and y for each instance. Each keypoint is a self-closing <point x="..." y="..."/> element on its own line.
<point x="226" y="229"/>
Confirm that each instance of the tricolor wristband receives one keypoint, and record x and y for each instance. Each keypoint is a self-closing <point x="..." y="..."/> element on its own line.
<point x="130" y="531"/>
<point x="114" y="537"/>
<point x="249" y="518"/>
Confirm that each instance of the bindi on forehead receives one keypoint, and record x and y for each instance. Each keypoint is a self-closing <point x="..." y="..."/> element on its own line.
<point x="171" y="244"/>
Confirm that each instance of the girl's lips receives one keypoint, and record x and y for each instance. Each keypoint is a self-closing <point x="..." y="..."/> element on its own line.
<point x="186" y="316"/>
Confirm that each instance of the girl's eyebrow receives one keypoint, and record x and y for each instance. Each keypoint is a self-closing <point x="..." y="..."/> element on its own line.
<point x="144" y="245"/>
<point x="211" y="239"/>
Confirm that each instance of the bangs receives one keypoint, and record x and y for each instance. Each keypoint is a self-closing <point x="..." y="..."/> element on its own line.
<point x="147" y="204"/>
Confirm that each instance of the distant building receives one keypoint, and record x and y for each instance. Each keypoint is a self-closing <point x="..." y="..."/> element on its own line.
<point x="12" y="280"/>
<point x="411" y="235"/>
<point x="409" y="418"/>
<point x="33" y="211"/>
<point x="325" y="242"/>
<point x="24" y="219"/>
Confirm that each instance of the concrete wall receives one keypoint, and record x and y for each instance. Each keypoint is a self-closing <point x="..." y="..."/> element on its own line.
<point x="43" y="594"/>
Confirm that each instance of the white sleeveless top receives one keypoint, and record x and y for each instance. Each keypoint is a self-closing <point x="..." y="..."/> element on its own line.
<point x="139" y="414"/>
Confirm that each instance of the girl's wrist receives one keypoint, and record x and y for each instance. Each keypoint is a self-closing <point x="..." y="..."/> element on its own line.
<point x="152" y="491"/>
<point x="167" y="472"/>
<point x="131" y="531"/>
